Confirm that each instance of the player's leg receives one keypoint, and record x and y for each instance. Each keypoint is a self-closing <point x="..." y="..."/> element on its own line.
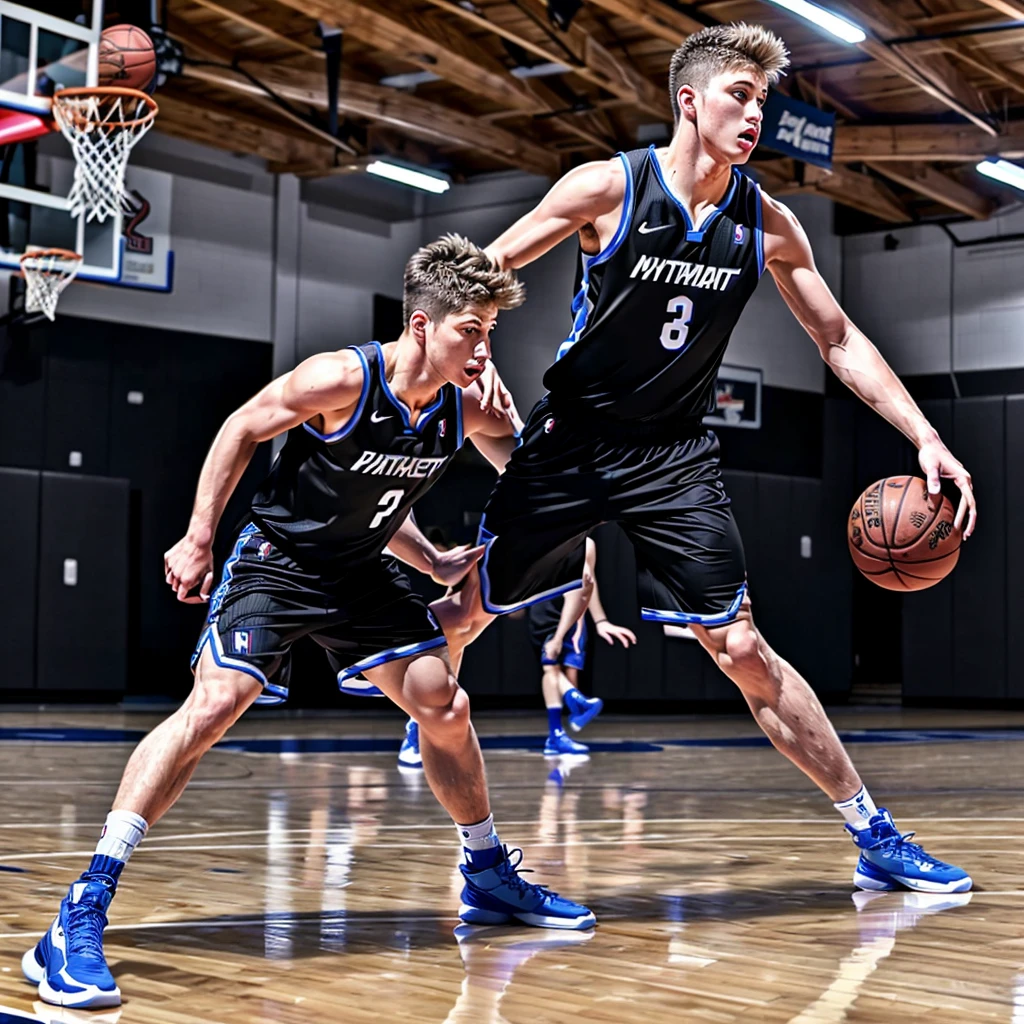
<point x="582" y="709"/>
<point x="554" y="686"/>
<point x="68" y="962"/>
<point x="692" y="571"/>
<point x="425" y="687"/>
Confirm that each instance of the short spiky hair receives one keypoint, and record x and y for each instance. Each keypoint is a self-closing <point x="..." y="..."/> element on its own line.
<point x="720" y="48"/>
<point x="453" y="274"/>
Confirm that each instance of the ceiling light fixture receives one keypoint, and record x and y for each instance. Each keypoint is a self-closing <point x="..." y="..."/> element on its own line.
<point x="408" y="176"/>
<point x="832" y="23"/>
<point x="1004" y="171"/>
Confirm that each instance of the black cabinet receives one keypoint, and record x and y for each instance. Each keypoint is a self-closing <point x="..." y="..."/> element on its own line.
<point x="19" y="530"/>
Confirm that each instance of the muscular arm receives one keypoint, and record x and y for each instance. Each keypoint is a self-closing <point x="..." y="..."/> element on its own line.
<point x="589" y="196"/>
<point x="849" y="353"/>
<point x="326" y="385"/>
<point x="494" y="437"/>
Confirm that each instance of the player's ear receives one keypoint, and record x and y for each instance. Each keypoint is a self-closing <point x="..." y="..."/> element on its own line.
<point x="686" y="99"/>
<point x="418" y="325"/>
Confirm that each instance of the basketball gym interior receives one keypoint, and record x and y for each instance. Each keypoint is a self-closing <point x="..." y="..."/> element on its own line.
<point x="298" y="153"/>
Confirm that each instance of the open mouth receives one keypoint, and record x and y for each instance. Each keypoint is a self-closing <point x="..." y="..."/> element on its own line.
<point x="749" y="136"/>
<point x="473" y="370"/>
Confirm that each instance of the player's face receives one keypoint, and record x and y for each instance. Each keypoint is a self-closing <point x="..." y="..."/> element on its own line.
<point x="729" y="114"/>
<point x="459" y="346"/>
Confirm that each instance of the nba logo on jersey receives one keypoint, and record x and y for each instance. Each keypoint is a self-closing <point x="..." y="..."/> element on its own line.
<point x="263" y="551"/>
<point x="442" y="427"/>
<point x="741" y="233"/>
<point x="549" y="425"/>
<point x="241" y="641"/>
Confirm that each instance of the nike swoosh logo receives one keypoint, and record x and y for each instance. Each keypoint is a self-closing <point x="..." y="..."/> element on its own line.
<point x="645" y="230"/>
<point x="374" y="418"/>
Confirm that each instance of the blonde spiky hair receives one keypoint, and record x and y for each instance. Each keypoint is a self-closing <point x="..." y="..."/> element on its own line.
<point x="451" y="275"/>
<point x="720" y="48"/>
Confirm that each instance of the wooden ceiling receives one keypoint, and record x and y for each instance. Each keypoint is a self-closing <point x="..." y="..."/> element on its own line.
<point x="937" y="85"/>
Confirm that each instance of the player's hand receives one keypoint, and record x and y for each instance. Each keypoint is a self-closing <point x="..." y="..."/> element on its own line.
<point x="552" y="650"/>
<point x="938" y="462"/>
<point x="189" y="565"/>
<point x="609" y="632"/>
<point x="497" y="399"/>
<point x="450" y="566"/>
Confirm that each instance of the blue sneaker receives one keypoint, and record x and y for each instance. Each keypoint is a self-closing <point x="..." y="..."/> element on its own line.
<point x="582" y="709"/>
<point x="68" y="963"/>
<point x="889" y="861"/>
<point x="499" y="895"/>
<point x="558" y="744"/>
<point x="409" y="753"/>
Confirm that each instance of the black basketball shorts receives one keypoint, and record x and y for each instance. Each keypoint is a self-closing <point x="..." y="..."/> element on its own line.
<point x="668" y="498"/>
<point x="266" y="601"/>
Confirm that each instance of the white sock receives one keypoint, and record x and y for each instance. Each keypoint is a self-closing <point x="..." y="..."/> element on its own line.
<point x="480" y="836"/>
<point x="122" y="832"/>
<point x="858" y="810"/>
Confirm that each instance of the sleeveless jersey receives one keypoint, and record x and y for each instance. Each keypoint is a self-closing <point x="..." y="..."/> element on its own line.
<point x="655" y="308"/>
<point x="334" y="500"/>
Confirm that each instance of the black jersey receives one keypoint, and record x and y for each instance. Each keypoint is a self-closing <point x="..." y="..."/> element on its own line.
<point x="334" y="500"/>
<point x="656" y="307"/>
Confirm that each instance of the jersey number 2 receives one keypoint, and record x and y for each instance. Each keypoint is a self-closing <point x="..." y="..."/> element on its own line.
<point x="673" y="334"/>
<point x="386" y="507"/>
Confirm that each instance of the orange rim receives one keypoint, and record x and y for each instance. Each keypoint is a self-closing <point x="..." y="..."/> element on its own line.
<point x="64" y="254"/>
<point x="111" y="91"/>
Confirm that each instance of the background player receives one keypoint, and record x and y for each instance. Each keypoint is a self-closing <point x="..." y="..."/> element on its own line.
<point x="370" y="429"/>
<point x="673" y="244"/>
<point x="562" y="646"/>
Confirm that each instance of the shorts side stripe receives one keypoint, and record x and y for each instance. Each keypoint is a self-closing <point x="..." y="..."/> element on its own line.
<point x="390" y="655"/>
<point x="694" y="618"/>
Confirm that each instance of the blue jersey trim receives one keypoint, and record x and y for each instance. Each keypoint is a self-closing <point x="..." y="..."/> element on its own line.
<point x="354" y="418"/>
<point x="390" y="655"/>
<point x="693" y="618"/>
<point x="217" y="598"/>
<point x="580" y="312"/>
<point x="484" y="536"/>
<point x="425" y="415"/>
<point x="759" y="233"/>
<point x="458" y="415"/>
<point x="691" y="234"/>
<point x="212" y="637"/>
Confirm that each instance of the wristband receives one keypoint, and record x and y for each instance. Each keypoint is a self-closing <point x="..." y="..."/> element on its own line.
<point x="597" y="622"/>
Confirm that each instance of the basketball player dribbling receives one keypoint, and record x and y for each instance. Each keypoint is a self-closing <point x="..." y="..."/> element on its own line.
<point x="369" y="430"/>
<point x="673" y="244"/>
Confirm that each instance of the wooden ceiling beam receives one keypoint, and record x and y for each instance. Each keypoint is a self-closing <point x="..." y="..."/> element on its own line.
<point x="1013" y="9"/>
<point x="590" y="60"/>
<point x="388" y="106"/>
<point x="861" y="191"/>
<point x="258" y="28"/>
<point x="941" y="187"/>
<point x="914" y="142"/>
<point x="934" y="74"/>
<point x="668" y="23"/>
<point x="197" y="42"/>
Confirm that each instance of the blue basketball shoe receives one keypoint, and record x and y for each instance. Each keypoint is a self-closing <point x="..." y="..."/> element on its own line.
<point x="68" y="963"/>
<point x="582" y="709"/>
<point x="889" y="861"/>
<point x="409" y="753"/>
<point x="558" y="744"/>
<point x="498" y="895"/>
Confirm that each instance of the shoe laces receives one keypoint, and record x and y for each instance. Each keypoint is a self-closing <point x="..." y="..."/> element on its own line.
<point x="512" y="875"/>
<point x="897" y="844"/>
<point x="85" y="931"/>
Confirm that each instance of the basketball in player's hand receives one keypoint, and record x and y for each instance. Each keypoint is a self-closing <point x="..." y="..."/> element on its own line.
<point x="900" y="536"/>
<point x="126" y="58"/>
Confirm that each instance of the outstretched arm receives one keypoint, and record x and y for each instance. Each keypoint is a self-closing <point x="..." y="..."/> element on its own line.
<point x="495" y="437"/>
<point x="410" y="545"/>
<point x="574" y="605"/>
<point x="328" y="384"/>
<point x="851" y="356"/>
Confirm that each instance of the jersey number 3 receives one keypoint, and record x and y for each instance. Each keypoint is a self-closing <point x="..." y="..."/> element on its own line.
<point x="673" y="334"/>
<point x="386" y="507"/>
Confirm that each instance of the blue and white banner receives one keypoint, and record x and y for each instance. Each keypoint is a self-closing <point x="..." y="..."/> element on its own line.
<point x="798" y="130"/>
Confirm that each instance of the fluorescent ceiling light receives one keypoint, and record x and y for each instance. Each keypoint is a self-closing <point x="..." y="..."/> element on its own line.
<point x="1004" y="171"/>
<point x="410" y="79"/>
<point x="540" y="70"/>
<point x="407" y="176"/>
<point x="840" y="27"/>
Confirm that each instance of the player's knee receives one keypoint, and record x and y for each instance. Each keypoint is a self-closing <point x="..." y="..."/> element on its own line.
<point x="217" y="700"/>
<point x="742" y="649"/>
<point x="439" y="704"/>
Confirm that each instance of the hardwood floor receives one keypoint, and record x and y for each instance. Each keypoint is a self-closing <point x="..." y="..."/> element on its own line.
<point x="302" y="878"/>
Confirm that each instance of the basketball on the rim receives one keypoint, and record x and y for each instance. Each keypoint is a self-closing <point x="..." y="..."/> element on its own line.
<point x="900" y="536"/>
<point x="126" y="57"/>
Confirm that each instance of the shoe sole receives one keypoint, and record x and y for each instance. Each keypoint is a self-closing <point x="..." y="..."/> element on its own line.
<point x="412" y="765"/>
<point x="477" y="915"/>
<point x="586" y="718"/>
<point x="91" y="999"/>
<point x="872" y="884"/>
<point x="33" y="970"/>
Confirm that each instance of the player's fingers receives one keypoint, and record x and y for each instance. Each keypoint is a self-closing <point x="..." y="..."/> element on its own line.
<point x="972" y="519"/>
<point x="204" y="590"/>
<point x="933" y="479"/>
<point x="474" y="554"/>
<point x="960" y="513"/>
<point x="631" y="635"/>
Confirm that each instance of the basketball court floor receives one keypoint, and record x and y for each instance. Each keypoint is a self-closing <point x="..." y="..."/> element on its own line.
<point x="303" y="878"/>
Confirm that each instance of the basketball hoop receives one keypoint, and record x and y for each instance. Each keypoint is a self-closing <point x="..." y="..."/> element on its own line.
<point x="47" y="273"/>
<point x="102" y="124"/>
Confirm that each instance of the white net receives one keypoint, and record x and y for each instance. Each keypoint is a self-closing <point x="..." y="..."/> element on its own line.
<point x="102" y="126"/>
<point x="47" y="273"/>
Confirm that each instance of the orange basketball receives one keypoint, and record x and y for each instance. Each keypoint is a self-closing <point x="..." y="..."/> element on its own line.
<point x="901" y="537"/>
<point x="127" y="57"/>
